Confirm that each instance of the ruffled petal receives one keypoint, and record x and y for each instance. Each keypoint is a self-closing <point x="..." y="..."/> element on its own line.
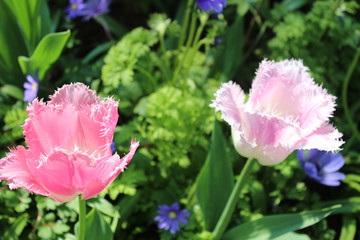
<point x="286" y="89"/>
<point x="48" y="126"/>
<point x="230" y="101"/>
<point x="325" y="138"/>
<point x="14" y="168"/>
<point x="108" y="170"/>
<point x="76" y="94"/>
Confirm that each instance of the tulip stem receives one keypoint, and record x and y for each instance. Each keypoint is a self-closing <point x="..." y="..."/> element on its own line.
<point x="231" y="203"/>
<point x="82" y="218"/>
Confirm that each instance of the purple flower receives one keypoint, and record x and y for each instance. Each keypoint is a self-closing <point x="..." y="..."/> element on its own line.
<point x="211" y="5"/>
<point x="322" y="166"/>
<point x="170" y="216"/>
<point x="75" y="8"/>
<point x="94" y="8"/>
<point x="31" y="87"/>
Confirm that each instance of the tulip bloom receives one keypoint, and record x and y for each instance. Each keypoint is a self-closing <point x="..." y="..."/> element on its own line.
<point x="68" y="153"/>
<point x="285" y="111"/>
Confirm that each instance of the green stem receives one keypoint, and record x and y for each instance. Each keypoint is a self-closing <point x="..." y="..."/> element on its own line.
<point x="186" y="23"/>
<point x="344" y="93"/>
<point x="234" y="197"/>
<point x="147" y="74"/>
<point x="106" y="28"/>
<point x="188" y="43"/>
<point x="82" y="218"/>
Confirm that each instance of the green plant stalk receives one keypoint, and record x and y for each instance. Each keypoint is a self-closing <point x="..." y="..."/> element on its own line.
<point x="186" y="24"/>
<point x="188" y="44"/>
<point x="106" y="28"/>
<point x="82" y="218"/>
<point x="344" y="93"/>
<point x="234" y="197"/>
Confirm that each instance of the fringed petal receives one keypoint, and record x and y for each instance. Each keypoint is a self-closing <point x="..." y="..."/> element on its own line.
<point x="14" y="168"/>
<point x="230" y="100"/>
<point x="325" y="138"/>
<point x="76" y="94"/>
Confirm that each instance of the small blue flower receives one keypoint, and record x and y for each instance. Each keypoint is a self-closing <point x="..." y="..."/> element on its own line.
<point x="31" y="87"/>
<point x="170" y="216"/>
<point x="95" y="8"/>
<point x="322" y="166"/>
<point x="75" y="8"/>
<point x="211" y="5"/>
<point x="113" y="147"/>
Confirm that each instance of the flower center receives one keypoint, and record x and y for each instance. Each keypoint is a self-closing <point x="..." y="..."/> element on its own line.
<point x="34" y="86"/>
<point x="74" y="7"/>
<point x="172" y="215"/>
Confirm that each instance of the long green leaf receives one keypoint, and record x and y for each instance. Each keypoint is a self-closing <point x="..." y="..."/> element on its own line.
<point x="215" y="181"/>
<point x="274" y="226"/>
<point x="96" y="227"/>
<point x="292" y="236"/>
<point x="13" y="91"/>
<point x="26" y="13"/>
<point x="348" y="229"/>
<point x="45" y="54"/>
<point x="12" y="45"/>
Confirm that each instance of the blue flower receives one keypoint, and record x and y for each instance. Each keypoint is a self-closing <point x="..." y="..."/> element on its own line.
<point x="75" y="8"/>
<point x="31" y="87"/>
<point x="113" y="147"/>
<point x="96" y="8"/>
<point x="170" y="216"/>
<point x="322" y="166"/>
<point x="211" y="5"/>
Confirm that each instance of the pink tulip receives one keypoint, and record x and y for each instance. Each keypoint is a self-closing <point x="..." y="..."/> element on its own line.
<point x="285" y="111"/>
<point x="68" y="152"/>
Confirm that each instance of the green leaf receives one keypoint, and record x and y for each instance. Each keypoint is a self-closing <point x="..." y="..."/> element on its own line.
<point x="16" y="228"/>
<point x="13" y="91"/>
<point x="11" y="44"/>
<point x="274" y="226"/>
<point x="45" y="54"/>
<point x="97" y="227"/>
<point x="348" y="228"/>
<point x="292" y="236"/>
<point x="215" y="181"/>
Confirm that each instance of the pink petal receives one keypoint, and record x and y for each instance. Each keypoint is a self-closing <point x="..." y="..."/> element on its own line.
<point x="286" y="89"/>
<point x="230" y="100"/>
<point x="76" y="94"/>
<point x="48" y="126"/>
<point x="88" y="129"/>
<point x="325" y="138"/>
<point x="58" y="175"/>
<point x="14" y="168"/>
<point x="265" y="154"/>
<point x="107" y="170"/>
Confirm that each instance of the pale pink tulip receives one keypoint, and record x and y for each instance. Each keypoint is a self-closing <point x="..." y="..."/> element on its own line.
<point x="68" y="152"/>
<point x="285" y="111"/>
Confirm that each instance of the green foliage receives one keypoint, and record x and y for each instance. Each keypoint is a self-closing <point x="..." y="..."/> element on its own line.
<point x="123" y="57"/>
<point x="102" y="229"/>
<point x="22" y="25"/>
<point x="273" y="226"/>
<point x="46" y="53"/>
<point x="328" y="29"/>
<point x="177" y="122"/>
<point x="13" y="119"/>
<point x="215" y="181"/>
